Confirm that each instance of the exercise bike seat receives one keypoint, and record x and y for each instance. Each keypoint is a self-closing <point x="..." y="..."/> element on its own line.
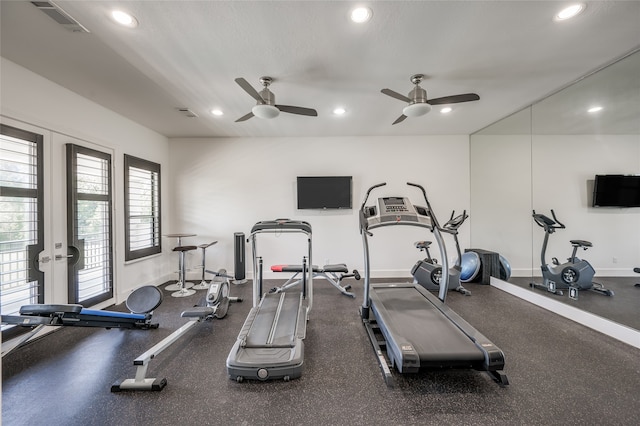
<point x="581" y="243"/>
<point x="421" y="245"/>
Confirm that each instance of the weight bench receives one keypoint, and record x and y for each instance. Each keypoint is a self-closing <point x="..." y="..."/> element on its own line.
<point x="141" y="302"/>
<point x="328" y="272"/>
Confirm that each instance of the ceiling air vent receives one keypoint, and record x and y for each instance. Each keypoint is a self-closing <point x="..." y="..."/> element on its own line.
<point x="187" y="112"/>
<point x="60" y="16"/>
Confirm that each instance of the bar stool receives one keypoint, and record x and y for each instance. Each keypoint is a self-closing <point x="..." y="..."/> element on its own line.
<point x="203" y="284"/>
<point x="183" y="291"/>
<point x="178" y="285"/>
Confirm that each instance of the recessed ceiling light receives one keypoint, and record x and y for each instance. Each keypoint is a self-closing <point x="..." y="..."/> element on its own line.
<point x="446" y="110"/>
<point x="216" y="112"/>
<point x="594" y="109"/>
<point x="360" y="15"/>
<point x="339" y="111"/>
<point x="570" y="12"/>
<point x="124" y="19"/>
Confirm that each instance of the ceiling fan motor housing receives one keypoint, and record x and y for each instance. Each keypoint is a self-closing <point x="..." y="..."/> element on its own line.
<point x="267" y="96"/>
<point x="418" y="95"/>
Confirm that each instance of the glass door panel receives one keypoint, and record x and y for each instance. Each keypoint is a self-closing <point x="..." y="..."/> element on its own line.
<point x="89" y="225"/>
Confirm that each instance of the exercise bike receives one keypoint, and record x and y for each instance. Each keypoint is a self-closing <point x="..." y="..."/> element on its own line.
<point x="428" y="273"/>
<point x="573" y="275"/>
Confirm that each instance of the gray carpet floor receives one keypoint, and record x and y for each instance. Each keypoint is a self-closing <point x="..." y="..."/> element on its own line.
<point x="560" y="373"/>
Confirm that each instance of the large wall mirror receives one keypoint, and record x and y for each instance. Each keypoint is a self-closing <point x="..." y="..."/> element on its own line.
<point x="546" y="157"/>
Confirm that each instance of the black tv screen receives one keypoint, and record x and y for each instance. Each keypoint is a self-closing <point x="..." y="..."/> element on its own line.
<point x="324" y="192"/>
<point x="616" y="191"/>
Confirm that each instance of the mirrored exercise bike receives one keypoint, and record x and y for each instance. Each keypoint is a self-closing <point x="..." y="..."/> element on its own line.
<point x="573" y="275"/>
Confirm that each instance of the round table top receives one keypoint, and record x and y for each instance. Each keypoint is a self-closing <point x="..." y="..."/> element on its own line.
<point x="179" y="235"/>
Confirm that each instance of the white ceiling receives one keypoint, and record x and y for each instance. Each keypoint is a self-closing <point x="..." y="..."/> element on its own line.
<point x="188" y="53"/>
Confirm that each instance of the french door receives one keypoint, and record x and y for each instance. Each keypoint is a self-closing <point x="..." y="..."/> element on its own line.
<point x="89" y="225"/>
<point x="21" y="218"/>
<point x="56" y="224"/>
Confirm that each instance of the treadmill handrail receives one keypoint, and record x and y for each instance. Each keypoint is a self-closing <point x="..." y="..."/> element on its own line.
<point x="433" y="226"/>
<point x="282" y="225"/>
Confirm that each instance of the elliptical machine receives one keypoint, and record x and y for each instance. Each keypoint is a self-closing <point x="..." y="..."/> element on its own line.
<point x="428" y="273"/>
<point x="573" y="275"/>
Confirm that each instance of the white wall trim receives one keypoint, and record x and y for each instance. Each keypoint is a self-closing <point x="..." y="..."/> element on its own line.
<point x="612" y="329"/>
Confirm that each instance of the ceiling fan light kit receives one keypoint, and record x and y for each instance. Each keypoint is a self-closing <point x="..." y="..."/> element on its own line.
<point x="416" y="110"/>
<point x="265" y="111"/>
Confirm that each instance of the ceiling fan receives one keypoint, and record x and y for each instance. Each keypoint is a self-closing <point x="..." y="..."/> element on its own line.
<point x="266" y="106"/>
<point x="418" y="104"/>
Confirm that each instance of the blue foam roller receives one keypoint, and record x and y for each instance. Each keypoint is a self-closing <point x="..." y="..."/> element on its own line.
<point x="505" y="268"/>
<point x="470" y="266"/>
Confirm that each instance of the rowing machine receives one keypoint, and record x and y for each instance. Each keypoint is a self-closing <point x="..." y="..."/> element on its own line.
<point x="217" y="304"/>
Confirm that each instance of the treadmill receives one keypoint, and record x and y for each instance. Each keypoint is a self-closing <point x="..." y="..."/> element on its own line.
<point x="411" y="326"/>
<point x="270" y="344"/>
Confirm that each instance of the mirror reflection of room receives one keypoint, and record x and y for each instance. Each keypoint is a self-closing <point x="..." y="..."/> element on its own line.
<point x="576" y="152"/>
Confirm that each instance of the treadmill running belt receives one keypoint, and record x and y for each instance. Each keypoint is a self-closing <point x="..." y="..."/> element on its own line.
<point x="412" y="318"/>
<point x="273" y="328"/>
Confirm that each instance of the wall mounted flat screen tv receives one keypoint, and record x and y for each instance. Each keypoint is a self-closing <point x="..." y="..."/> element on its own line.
<point x="324" y="192"/>
<point x="616" y="191"/>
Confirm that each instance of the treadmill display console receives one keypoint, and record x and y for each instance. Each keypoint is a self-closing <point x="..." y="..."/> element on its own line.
<point x="396" y="210"/>
<point x="395" y="205"/>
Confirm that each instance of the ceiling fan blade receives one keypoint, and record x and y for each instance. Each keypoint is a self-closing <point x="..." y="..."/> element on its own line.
<point x="249" y="89"/>
<point x="399" y="119"/>
<point x="297" y="110"/>
<point x="245" y="117"/>
<point x="466" y="97"/>
<point x="396" y="95"/>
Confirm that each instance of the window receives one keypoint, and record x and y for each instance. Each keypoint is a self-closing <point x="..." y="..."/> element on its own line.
<point x="142" y="208"/>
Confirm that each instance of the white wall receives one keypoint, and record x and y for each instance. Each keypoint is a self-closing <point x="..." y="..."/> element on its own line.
<point x="223" y="186"/>
<point x="28" y="100"/>
<point x="501" y="198"/>
<point x="511" y="175"/>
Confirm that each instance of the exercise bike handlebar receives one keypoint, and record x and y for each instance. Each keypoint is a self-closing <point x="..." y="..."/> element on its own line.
<point x="546" y="222"/>
<point x="455" y="222"/>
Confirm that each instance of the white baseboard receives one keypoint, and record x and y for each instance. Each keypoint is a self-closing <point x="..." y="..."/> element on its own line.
<point x="619" y="332"/>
